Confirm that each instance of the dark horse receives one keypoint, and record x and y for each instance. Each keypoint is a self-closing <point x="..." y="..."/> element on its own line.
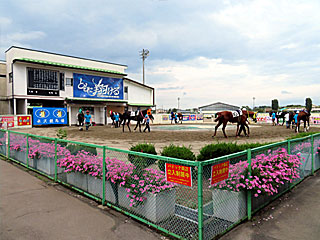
<point x="304" y="116"/>
<point x="225" y="117"/>
<point x="126" y="118"/>
<point x="250" y="114"/>
<point x="180" y="117"/>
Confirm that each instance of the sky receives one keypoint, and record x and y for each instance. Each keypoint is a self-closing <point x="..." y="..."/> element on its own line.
<point x="201" y="52"/>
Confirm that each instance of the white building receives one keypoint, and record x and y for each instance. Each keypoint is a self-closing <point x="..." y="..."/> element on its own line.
<point x="38" y="78"/>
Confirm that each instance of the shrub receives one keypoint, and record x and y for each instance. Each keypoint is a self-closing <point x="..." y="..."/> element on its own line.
<point x="211" y="151"/>
<point x="62" y="133"/>
<point x="301" y="135"/>
<point x="173" y="151"/>
<point x="75" y="148"/>
<point x="139" y="161"/>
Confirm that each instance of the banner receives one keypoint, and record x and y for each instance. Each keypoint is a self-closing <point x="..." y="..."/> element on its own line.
<point x="178" y="174"/>
<point x="9" y="121"/>
<point x="219" y="172"/>
<point x="47" y="116"/>
<point x="24" y="120"/>
<point x="88" y="86"/>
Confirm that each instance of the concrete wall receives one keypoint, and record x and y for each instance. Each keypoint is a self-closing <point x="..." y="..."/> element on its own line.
<point x="137" y="94"/>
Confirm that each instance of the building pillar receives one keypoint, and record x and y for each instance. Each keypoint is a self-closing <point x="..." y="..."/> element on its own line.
<point x="14" y="106"/>
<point x="69" y="111"/>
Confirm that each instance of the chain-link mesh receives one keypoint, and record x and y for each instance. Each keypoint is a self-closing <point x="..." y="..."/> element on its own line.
<point x="3" y="143"/>
<point x="302" y="149"/>
<point x="18" y="147"/>
<point x="224" y="202"/>
<point x="138" y="185"/>
<point x="81" y="165"/>
<point x="316" y="152"/>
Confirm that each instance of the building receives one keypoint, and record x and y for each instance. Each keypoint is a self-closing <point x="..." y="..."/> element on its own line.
<point x="209" y="110"/>
<point x="38" y="78"/>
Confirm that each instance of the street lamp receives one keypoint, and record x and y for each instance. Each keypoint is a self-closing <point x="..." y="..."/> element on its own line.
<point x="253" y="102"/>
<point x="144" y="54"/>
<point x="178" y="103"/>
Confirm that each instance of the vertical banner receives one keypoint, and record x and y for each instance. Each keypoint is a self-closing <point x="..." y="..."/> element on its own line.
<point x="178" y="174"/>
<point x="219" y="172"/>
<point x="88" y="86"/>
<point x="48" y="116"/>
<point x="24" y="120"/>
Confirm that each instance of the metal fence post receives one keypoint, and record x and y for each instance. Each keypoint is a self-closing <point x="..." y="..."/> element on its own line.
<point x="8" y="149"/>
<point x="55" y="160"/>
<point x="249" y="193"/>
<point x="200" y="201"/>
<point x="312" y="156"/>
<point x="104" y="176"/>
<point x="289" y="147"/>
<point x="27" y="150"/>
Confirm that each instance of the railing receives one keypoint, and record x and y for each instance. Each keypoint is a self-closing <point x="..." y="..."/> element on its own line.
<point x="135" y="184"/>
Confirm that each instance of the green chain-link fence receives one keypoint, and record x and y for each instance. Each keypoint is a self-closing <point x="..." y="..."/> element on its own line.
<point x="200" y="207"/>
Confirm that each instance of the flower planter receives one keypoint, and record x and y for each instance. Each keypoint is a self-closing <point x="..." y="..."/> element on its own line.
<point x="156" y="208"/>
<point x="306" y="161"/>
<point x="46" y="164"/>
<point x="95" y="186"/>
<point x="78" y="179"/>
<point x="18" y="155"/>
<point x="3" y="149"/>
<point x="229" y="205"/>
<point x="316" y="161"/>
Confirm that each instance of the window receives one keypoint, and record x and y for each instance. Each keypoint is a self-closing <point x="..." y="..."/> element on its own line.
<point x="43" y="79"/>
<point x="126" y="89"/>
<point x="69" y="81"/>
<point x="10" y="77"/>
<point x="62" y="81"/>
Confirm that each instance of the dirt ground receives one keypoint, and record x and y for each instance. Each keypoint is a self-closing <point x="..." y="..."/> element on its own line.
<point x="114" y="137"/>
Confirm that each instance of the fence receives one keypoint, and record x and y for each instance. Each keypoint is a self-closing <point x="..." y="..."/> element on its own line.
<point x="135" y="183"/>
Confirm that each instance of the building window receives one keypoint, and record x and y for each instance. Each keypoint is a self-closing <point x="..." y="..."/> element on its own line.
<point x="43" y="79"/>
<point x="10" y="77"/>
<point x="62" y="81"/>
<point x="69" y="81"/>
<point x="126" y="89"/>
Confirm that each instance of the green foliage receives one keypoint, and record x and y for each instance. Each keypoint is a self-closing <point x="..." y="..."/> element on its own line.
<point x="275" y="104"/>
<point x="74" y="148"/>
<point x="62" y="133"/>
<point x="173" y="151"/>
<point x="211" y="151"/>
<point x="139" y="161"/>
<point x="301" y="135"/>
<point x="308" y="104"/>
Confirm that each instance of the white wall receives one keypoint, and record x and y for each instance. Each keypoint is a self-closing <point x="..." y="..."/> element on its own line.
<point x="138" y="94"/>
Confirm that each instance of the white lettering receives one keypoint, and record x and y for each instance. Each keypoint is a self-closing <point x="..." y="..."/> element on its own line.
<point x="99" y="89"/>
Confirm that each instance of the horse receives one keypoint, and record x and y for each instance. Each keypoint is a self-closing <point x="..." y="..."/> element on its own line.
<point x="304" y="116"/>
<point x="180" y="117"/>
<point x="250" y="114"/>
<point x="227" y="116"/>
<point x="126" y="118"/>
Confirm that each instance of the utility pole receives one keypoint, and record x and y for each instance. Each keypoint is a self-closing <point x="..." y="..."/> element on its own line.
<point x="253" y="102"/>
<point x="144" y="54"/>
<point x="178" y="103"/>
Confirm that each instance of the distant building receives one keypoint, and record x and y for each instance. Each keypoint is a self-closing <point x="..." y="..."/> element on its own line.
<point x="211" y="109"/>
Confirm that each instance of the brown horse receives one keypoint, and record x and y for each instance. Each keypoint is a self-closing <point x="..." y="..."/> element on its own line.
<point x="250" y="114"/>
<point x="225" y="117"/>
<point x="304" y="116"/>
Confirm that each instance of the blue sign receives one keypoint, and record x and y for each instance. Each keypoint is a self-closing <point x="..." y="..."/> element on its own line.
<point x="88" y="86"/>
<point x="47" y="116"/>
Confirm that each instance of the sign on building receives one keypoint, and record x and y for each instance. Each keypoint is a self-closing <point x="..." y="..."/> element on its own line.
<point x="219" y="172"/>
<point x="7" y="121"/>
<point x="50" y="116"/>
<point x="178" y="174"/>
<point x="88" y="86"/>
<point x="24" y="120"/>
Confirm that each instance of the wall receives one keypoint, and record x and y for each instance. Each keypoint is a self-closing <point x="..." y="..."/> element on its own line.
<point x="137" y="94"/>
<point x="165" y="118"/>
<point x="16" y="121"/>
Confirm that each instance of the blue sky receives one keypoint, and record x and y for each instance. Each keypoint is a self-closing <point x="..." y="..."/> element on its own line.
<point x="200" y="51"/>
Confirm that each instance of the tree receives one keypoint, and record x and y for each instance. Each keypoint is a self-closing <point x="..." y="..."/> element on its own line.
<point x="308" y="104"/>
<point x="275" y="104"/>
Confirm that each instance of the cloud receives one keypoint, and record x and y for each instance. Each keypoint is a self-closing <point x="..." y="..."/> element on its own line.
<point x="285" y="92"/>
<point x="169" y="88"/>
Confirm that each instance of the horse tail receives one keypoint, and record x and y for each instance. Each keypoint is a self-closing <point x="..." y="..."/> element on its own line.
<point x="218" y="117"/>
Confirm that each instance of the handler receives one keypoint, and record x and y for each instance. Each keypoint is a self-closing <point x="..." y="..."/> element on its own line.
<point x="147" y="120"/>
<point x="88" y="119"/>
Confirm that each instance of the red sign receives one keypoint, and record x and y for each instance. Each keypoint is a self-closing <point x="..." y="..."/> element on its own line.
<point x="219" y="172"/>
<point x="8" y="120"/>
<point x="24" y="120"/>
<point x="178" y="174"/>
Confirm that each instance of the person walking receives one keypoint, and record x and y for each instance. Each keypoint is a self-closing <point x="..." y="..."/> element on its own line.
<point x="273" y="119"/>
<point x="116" y="119"/>
<point x="147" y="121"/>
<point x="88" y="119"/>
<point x="80" y="117"/>
<point x="287" y="119"/>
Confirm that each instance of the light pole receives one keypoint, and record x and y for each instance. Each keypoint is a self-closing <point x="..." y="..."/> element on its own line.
<point x="144" y="54"/>
<point x="253" y="102"/>
<point x="178" y="103"/>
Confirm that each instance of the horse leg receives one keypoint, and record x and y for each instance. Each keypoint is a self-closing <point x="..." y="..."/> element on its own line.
<point x="223" y="129"/>
<point x="304" y="125"/>
<point x="216" y="127"/>
<point x="308" y="124"/>
<point x="245" y="124"/>
<point x="237" y="132"/>
<point x="128" y="124"/>
<point x="124" y="122"/>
